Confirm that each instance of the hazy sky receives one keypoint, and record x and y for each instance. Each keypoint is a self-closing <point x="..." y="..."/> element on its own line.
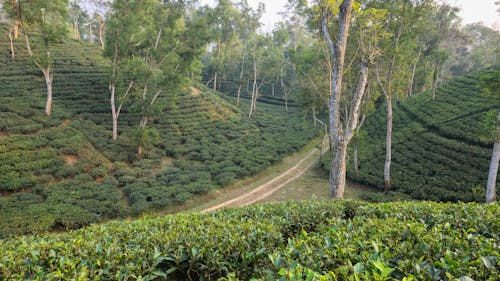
<point x="471" y="11"/>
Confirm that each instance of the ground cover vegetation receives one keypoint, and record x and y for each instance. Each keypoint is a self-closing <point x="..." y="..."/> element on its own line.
<point x="438" y="151"/>
<point x="352" y="57"/>
<point x="66" y="171"/>
<point x="112" y="109"/>
<point x="341" y="240"/>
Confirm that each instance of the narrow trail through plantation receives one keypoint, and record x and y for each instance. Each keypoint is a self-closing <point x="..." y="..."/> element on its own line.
<point x="271" y="186"/>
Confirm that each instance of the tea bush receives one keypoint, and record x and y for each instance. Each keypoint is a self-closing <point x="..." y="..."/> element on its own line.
<point x="342" y="240"/>
<point x="437" y="152"/>
<point x="205" y="142"/>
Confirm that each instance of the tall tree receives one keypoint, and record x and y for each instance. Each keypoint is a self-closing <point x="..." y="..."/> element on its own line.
<point x="337" y="51"/>
<point x="126" y="31"/>
<point x="45" y="21"/>
<point x="398" y="50"/>
<point x="490" y="84"/>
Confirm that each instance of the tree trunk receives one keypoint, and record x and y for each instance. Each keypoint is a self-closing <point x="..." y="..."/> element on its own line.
<point x="48" y="81"/>
<point x="285" y="93"/>
<point x="76" y="31"/>
<point x="434" y="80"/>
<point x="355" y="156"/>
<point x="338" y="171"/>
<point x="27" y="40"/>
<point x="413" y="71"/>
<point x="492" y="175"/>
<point x="273" y="90"/>
<point x="16" y="29"/>
<point x="215" y="82"/>
<point x="11" y="41"/>
<point x="254" y="89"/>
<point x="314" y="116"/>
<point x="91" y="35"/>
<point x="388" y="150"/>
<point x="337" y="52"/>
<point x="114" y="112"/>
<point x="101" y="34"/>
<point x="241" y="72"/>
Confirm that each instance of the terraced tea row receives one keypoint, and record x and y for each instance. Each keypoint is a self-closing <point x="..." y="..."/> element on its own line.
<point x="437" y="151"/>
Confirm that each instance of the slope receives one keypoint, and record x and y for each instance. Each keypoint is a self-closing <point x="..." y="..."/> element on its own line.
<point x="437" y="150"/>
<point x="65" y="171"/>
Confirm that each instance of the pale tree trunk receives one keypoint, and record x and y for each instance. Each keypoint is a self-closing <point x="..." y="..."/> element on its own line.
<point x="215" y="82"/>
<point x="434" y="80"/>
<point x="76" y="31"/>
<point x="388" y="150"/>
<point x="337" y="52"/>
<point x="48" y="81"/>
<point x="492" y="175"/>
<point x="16" y="29"/>
<point x="91" y="35"/>
<point x="27" y="40"/>
<point x="11" y="41"/>
<point x="241" y="73"/>
<point x="101" y="34"/>
<point x="273" y="90"/>
<point x="355" y="156"/>
<point x="114" y="112"/>
<point x="254" y="89"/>
<point x="413" y="71"/>
<point x="285" y="93"/>
<point x="216" y="66"/>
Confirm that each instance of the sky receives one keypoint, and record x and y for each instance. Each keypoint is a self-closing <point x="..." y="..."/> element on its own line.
<point x="471" y="11"/>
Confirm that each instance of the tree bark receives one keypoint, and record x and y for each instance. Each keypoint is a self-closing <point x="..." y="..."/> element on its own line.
<point x="413" y="71"/>
<point x="91" y="35"/>
<point x="434" y="80"/>
<point x="337" y="52"/>
<point x="241" y="72"/>
<point x="492" y="175"/>
<point x="48" y="81"/>
<point x="101" y="34"/>
<point x="11" y="41"/>
<point x="16" y="29"/>
<point x="254" y="89"/>
<point x="388" y="150"/>
<point x="76" y="31"/>
<point x="355" y="156"/>
<point x="114" y="111"/>
<point x="338" y="171"/>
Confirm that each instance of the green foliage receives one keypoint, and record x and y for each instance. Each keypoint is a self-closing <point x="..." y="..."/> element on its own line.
<point x="437" y="153"/>
<point x="199" y="142"/>
<point x="290" y="241"/>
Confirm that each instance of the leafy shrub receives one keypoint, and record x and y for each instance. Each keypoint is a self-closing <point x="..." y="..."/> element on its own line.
<point x="343" y="240"/>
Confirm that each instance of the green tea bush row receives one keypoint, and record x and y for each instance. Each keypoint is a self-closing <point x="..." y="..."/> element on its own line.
<point x="437" y="151"/>
<point x="325" y="240"/>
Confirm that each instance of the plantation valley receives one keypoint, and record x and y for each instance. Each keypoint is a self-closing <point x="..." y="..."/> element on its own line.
<point x="134" y="135"/>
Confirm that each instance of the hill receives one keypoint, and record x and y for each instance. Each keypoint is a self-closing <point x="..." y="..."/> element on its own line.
<point x="341" y="240"/>
<point x="65" y="171"/>
<point x="437" y="150"/>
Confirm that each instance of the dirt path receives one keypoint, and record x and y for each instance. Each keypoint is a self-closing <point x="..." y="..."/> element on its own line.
<point x="270" y="187"/>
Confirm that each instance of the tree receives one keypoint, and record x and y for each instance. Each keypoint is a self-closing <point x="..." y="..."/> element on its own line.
<point x="266" y="63"/>
<point x="247" y="26"/>
<point x="404" y="22"/>
<point x="490" y="84"/>
<point x="125" y="33"/>
<point x="169" y="51"/>
<point x="337" y="51"/>
<point x="46" y="19"/>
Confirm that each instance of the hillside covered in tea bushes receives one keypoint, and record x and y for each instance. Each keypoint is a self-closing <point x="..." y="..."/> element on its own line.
<point x="336" y="240"/>
<point x="65" y="171"/>
<point x="438" y="152"/>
